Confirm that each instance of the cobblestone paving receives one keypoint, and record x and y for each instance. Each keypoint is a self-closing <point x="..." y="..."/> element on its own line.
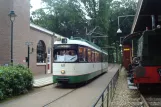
<point x="123" y="96"/>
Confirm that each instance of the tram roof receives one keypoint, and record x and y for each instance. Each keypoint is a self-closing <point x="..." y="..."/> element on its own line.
<point x="80" y="41"/>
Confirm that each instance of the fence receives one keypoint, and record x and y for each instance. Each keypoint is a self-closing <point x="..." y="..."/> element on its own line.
<point x="107" y="95"/>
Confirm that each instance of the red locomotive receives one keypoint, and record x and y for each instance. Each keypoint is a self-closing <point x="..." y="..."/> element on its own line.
<point x="146" y="66"/>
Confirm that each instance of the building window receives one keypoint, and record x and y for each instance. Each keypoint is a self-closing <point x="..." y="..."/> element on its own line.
<point x="41" y="52"/>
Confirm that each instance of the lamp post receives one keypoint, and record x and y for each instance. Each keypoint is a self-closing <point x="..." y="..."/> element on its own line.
<point x="28" y="52"/>
<point x="121" y="44"/>
<point x="121" y="39"/>
<point x="121" y="53"/>
<point x="119" y="30"/>
<point x="12" y="16"/>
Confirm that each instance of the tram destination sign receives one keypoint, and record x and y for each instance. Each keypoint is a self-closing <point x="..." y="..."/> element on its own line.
<point x="65" y="46"/>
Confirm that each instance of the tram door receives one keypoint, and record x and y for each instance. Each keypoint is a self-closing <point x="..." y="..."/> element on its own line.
<point x="126" y="56"/>
<point x="49" y="61"/>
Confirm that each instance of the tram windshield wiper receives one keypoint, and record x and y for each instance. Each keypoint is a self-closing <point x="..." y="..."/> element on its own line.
<point x="72" y="58"/>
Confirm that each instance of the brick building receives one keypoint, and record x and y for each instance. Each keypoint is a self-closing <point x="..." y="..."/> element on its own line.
<point x="23" y="31"/>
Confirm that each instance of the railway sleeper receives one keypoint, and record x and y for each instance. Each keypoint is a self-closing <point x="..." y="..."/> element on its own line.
<point x="130" y="100"/>
<point x="127" y="104"/>
<point x="152" y="99"/>
<point x="154" y="104"/>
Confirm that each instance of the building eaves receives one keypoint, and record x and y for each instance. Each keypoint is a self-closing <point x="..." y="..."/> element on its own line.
<point x="137" y="15"/>
<point x="44" y="30"/>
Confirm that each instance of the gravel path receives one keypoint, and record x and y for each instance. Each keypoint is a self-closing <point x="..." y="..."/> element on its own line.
<point x="123" y="96"/>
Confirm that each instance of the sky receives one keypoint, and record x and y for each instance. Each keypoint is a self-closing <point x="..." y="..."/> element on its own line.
<point x="36" y="4"/>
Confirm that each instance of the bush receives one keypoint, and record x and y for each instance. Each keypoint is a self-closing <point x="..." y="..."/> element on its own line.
<point x="14" y="80"/>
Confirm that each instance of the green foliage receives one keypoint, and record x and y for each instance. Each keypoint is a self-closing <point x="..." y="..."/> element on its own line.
<point x="79" y="17"/>
<point x="74" y="17"/>
<point x="60" y="16"/>
<point x="121" y="8"/>
<point x="14" y="80"/>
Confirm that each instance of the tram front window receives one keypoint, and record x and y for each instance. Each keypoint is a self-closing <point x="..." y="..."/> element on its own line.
<point x="65" y="55"/>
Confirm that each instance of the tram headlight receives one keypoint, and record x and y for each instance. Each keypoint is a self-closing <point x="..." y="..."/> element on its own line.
<point x="63" y="71"/>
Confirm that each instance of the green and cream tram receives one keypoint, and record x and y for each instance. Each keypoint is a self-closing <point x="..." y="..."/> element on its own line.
<point x="77" y="60"/>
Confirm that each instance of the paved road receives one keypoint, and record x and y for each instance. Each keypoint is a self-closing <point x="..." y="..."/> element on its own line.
<point x="84" y="96"/>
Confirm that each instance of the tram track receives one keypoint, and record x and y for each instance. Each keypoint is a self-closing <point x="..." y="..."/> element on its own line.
<point x="113" y="65"/>
<point x="58" y="98"/>
<point x="152" y="100"/>
<point x="47" y="104"/>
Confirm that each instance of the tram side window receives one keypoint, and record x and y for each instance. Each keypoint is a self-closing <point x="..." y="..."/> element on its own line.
<point x="99" y="57"/>
<point x="89" y="55"/>
<point x="93" y="56"/>
<point x="85" y="54"/>
<point x="96" y="56"/>
<point x="82" y="54"/>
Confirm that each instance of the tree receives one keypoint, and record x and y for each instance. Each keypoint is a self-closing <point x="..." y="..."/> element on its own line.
<point x="98" y="11"/>
<point x="75" y="17"/>
<point x="61" y="16"/>
<point x="121" y="8"/>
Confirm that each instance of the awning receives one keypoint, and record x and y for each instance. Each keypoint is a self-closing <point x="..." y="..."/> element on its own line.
<point x="143" y="19"/>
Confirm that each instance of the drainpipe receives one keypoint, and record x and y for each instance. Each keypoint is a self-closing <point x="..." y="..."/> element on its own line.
<point x="153" y="21"/>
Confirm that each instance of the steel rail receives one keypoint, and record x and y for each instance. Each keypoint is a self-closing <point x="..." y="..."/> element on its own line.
<point x="144" y="101"/>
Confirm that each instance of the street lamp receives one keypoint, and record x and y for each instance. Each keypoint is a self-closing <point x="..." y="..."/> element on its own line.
<point x="119" y="30"/>
<point x="12" y="16"/>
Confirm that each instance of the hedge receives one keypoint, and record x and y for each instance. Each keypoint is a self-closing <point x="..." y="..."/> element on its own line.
<point x="14" y="80"/>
